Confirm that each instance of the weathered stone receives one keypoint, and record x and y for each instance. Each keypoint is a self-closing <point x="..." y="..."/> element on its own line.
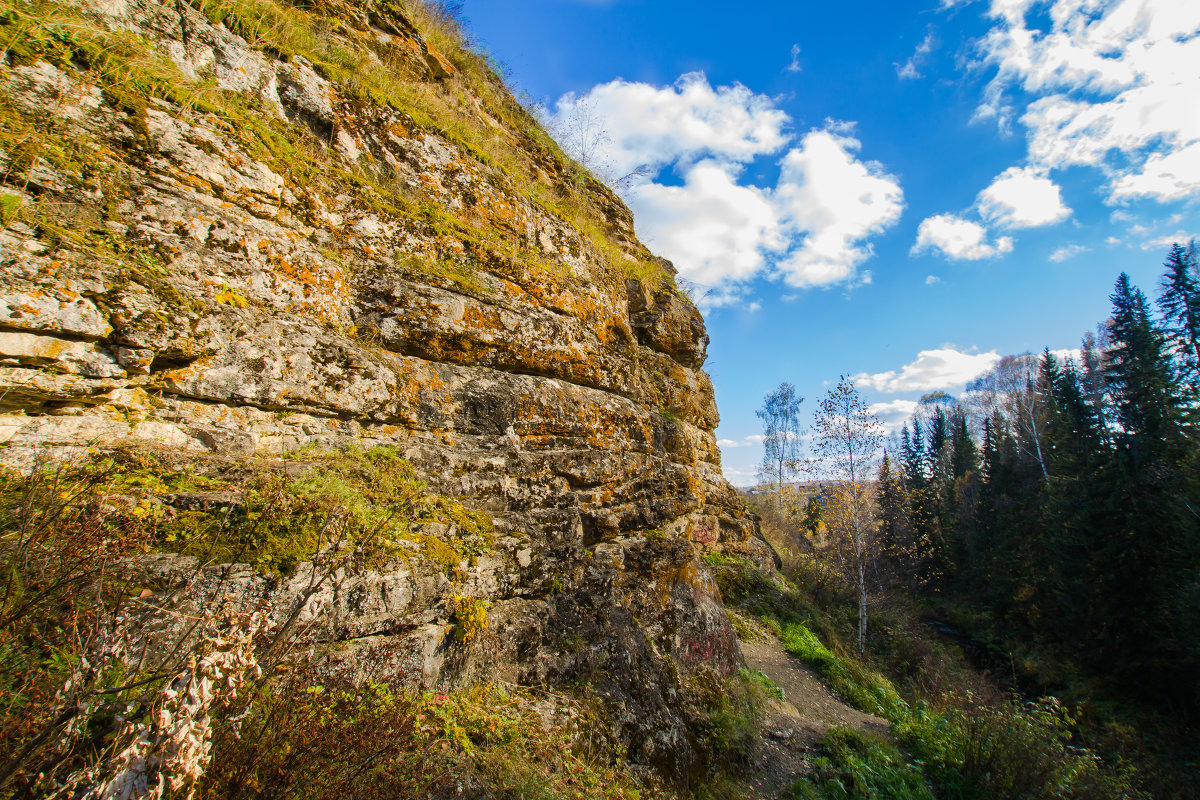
<point x="32" y="388"/>
<point x="439" y="65"/>
<point x="55" y="312"/>
<point x="61" y="355"/>
<point x="373" y="282"/>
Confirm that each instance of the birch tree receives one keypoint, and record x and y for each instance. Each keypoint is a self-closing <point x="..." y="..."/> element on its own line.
<point x="847" y="440"/>
<point x="781" y="435"/>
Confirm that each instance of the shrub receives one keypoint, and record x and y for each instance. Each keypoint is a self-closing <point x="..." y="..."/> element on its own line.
<point x="730" y="708"/>
<point x="1010" y="749"/>
<point x="856" y="766"/>
<point x="105" y="684"/>
<point x="325" y="741"/>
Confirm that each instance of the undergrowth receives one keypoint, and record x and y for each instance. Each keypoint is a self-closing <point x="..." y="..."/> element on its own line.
<point x="731" y="709"/>
<point x="318" y="741"/>
<point x="860" y="766"/>
<point x="110" y="687"/>
<point x="954" y="736"/>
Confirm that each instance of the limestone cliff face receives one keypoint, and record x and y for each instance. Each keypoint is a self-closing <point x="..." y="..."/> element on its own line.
<point x="240" y="228"/>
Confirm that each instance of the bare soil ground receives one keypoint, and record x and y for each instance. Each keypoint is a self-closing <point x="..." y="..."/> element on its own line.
<point x="792" y="727"/>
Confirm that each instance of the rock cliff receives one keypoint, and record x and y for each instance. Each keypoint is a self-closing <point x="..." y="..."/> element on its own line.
<point x="247" y="229"/>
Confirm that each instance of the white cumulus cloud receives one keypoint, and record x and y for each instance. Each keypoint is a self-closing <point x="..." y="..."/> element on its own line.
<point x="893" y="414"/>
<point x="812" y="228"/>
<point x="1021" y="197"/>
<point x="638" y="124"/>
<point x="712" y="228"/>
<point x="1109" y="84"/>
<point x="831" y="202"/>
<point x="944" y="368"/>
<point x="958" y="238"/>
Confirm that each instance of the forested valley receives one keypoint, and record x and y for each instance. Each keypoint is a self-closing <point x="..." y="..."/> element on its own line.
<point x="1047" y="520"/>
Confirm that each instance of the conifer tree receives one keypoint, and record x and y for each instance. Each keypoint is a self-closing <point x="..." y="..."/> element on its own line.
<point x="1140" y="378"/>
<point x="1180" y="304"/>
<point x="895" y="533"/>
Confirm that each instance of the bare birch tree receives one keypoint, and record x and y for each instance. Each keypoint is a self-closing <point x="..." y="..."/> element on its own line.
<point x="780" y="414"/>
<point x="1011" y="389"/>
<point x="847" y="440"/>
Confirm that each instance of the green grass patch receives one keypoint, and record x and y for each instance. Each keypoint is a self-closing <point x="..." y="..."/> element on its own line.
<point x="859" y="685"/>
<point x="365" y="506"/>
<point x="730" y="708"/>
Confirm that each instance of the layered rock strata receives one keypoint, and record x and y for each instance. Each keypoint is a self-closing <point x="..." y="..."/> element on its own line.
<point x="221" y="240"/>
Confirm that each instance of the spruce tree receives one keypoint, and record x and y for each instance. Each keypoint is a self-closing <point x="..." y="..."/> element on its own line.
<point x="1140" y="378"/>
<point x="1180" y="304"/>
<point x="1146" y="545"/>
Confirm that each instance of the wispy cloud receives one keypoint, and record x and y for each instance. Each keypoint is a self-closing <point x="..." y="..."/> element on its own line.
<point x="1101" y="87"/>
<point x="747" y="441"/>
<point x="794" y="64"/>
<point x="1164" y="242"/>
<point x="910" y="69"/>
<point x="1067" y="251"/>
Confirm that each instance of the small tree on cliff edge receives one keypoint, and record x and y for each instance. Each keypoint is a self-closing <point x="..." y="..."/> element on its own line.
<point x="781" y="435"/>
<point x="847" y="440"/>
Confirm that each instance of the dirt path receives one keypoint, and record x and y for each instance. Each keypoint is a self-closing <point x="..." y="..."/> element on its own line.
<point x="792" y="727"/>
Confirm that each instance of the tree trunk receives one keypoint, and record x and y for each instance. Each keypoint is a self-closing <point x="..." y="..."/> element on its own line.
<point x="862" y="607"/>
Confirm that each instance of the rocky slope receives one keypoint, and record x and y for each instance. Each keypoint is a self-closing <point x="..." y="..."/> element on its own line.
<point x="241" y="228"/>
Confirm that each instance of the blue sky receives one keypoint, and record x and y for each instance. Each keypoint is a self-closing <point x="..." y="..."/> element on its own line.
<point x="897" y="191"/>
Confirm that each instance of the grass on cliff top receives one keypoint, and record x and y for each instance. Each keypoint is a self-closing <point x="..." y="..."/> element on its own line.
<point x="473" y="108"/>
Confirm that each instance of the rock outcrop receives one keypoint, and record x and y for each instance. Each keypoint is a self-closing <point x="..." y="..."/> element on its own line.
<point x="242" y="228"/>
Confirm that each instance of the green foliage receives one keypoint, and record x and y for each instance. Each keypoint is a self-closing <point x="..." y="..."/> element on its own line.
<point x="971" y="748"/>
<point x="656" y="535"/>
<point x="1068" y="530"/>
<point x="364" y="504"/>
<point x="472" y="615"/>
<point x="861" y="686"/>
<point x="1010" y="749"/>
<point x="730" y="707"/>
<point x="317" y="742"/>
<point x="66" y="534"/>
<point x="857" y="766"/>
<point x="10" y="208"/>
